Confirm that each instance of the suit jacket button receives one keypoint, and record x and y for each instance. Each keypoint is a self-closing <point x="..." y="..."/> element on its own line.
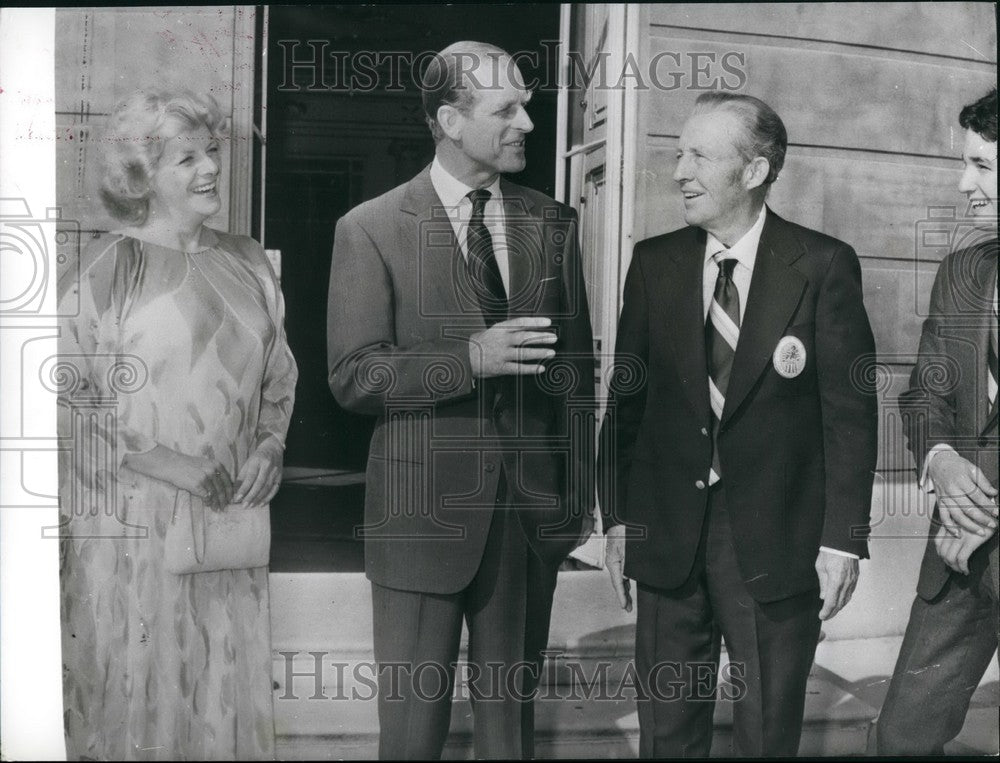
<point x="704" y="431"/>
<point x="700" y="484"/>
<point x="490" y="467"/>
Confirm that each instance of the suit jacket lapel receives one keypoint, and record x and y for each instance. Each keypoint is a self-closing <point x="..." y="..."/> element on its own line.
<point x="775" y="290"/>
<point x="525" y="259"/>
<point x="682" y="311"/>
<point x="443" y="282"/>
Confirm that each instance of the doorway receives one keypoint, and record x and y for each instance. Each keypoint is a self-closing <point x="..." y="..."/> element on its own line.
<point x="345" y="124"/>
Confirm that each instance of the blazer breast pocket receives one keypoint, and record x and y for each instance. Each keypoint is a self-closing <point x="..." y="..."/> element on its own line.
<point x="537" y="297"/>
<point x="549" y="296"/>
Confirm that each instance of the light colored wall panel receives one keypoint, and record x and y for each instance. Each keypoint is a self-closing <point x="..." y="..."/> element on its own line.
<point x="105" y="53"/>
<point x="892" y="453"/>
<point x="962" y="30"/>
<point x="879" y="205"/>
<point x="896" y="296"/>
<point x="659" y="205"/>
<point x="102" y="54"/>
<point x="77" y="171"/>
<point x="848" y="99"/>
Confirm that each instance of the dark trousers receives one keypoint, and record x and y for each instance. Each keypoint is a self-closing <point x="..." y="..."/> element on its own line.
<point x="948" y="645"/>
<point x="506" y="608"/>
<point x="771" y="648"/>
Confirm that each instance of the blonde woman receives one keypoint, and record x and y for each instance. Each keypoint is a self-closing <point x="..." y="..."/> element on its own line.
<point x="160" y="665"/>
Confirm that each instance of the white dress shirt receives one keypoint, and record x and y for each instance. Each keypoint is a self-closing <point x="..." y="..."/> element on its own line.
<point x="745" y="253"/>
<point x="454" y="198"/>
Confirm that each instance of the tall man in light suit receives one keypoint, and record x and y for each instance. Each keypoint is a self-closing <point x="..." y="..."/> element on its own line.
<point x="952" y="432"/>
<point x="742" y="467"/>
<point x="457" y="314"/>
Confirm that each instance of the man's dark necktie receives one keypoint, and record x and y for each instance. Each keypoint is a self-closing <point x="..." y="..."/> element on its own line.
<point x="722" y="333"/>
<point x="482" y="263"/>
<point x="488" y="285"/>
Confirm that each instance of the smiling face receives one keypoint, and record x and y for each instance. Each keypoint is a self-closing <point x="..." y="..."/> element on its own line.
<point x="185" y="184"/>
<point x="716" y="181"/>
<point x="488" y="137"/>
<point x="979" y="180"/>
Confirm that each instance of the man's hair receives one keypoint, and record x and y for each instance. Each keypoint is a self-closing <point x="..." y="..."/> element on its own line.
<point x="763" y="134"/>
<point x="445" y="80"/>
<point x="981" y="116"/>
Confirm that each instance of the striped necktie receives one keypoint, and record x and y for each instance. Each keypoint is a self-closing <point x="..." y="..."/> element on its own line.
<point x="722" y="333"/>
<point x="482" y="263"/>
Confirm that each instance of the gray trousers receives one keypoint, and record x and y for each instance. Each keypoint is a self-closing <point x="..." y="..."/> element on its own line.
<point x="506" y="608"/>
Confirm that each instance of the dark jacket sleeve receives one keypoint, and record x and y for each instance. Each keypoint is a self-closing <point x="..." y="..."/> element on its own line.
<point x="626" y="397"/>
<point x="845" y="353"/>
<point x="577" y="347"/>
<point x="928" y="405"/>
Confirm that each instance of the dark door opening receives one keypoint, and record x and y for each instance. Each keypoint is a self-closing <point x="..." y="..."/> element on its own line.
<point x="344" y="124"/>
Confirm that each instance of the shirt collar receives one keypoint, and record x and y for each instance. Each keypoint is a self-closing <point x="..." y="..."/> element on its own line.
<point x="744" y="250"/>
<point x="452" y="191"/>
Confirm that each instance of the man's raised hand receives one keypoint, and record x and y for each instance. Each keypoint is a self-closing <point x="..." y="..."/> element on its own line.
<point x="512" y="348"/>
<point x="966" y="499"/>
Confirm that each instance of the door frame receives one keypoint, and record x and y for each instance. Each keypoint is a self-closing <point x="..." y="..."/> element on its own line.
<point x="241" y="132"/>
<point x="620" y="143"/>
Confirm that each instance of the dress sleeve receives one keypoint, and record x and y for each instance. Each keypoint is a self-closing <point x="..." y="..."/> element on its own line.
<point x="280" y="371"/>
<point x="93" y="375"/>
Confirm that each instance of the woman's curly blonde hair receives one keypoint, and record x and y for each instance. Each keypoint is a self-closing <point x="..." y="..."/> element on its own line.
<point x="133" y="144"/>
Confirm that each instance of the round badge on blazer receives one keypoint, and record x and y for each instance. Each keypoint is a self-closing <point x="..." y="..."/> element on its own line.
<point x="789" y="357"/>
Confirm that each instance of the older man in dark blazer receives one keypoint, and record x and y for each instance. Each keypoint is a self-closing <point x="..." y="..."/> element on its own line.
<point x="741" y="468"/>
<point x="457" y="314"/>
<point x="951" y="412"/>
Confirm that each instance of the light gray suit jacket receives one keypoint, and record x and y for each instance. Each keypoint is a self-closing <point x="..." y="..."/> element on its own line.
<point x="401" y="311"/>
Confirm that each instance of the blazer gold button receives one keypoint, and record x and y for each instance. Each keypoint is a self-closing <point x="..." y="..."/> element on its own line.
<point x="700" y="484"/>
<point x="490" y="467"/>
<point x="704" y="431"/>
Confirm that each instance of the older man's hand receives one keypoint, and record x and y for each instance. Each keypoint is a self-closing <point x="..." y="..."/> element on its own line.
<point x="614" y="558"/>
<point x="838" y="575"/>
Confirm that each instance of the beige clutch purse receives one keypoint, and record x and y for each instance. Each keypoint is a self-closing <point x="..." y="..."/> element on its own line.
<point x="202" y="540"/>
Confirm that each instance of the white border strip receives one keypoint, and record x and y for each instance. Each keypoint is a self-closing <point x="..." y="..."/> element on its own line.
<point x="30" y="655"/>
